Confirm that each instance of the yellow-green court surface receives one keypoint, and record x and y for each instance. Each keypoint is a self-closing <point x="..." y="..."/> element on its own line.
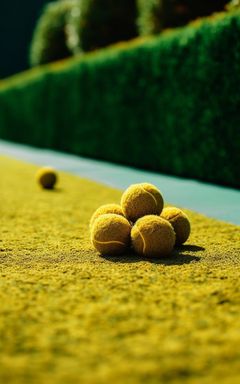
<point x="69" y="316"/>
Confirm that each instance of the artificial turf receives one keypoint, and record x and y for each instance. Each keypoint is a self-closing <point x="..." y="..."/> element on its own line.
<point x="69" y="316"/>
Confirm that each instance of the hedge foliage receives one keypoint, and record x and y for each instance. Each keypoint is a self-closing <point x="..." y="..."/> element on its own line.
<point x="233" y="5"/>
<point x="169" y="103"/>
<point x="49" y="42"/>
<point x="97" y="23"/>
<point x="156" y="15"/>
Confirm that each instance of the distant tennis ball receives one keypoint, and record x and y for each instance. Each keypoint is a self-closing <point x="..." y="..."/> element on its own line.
<point x="47" y="177"/>
<point x="110" y="234"/>
<point x="107" y="208"/>
<point x="153" y="236"/>
<point x="180" y="222"/>
<point x="140" y="200"/>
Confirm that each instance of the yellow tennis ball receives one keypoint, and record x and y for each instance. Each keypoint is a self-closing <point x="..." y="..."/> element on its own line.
<point x="110" y="234"/>
<point x="153" y="236"/>
<point x="140" y="200"/>
<point x="107" y="208"/>
<point x="47" y="177"/>
<point x="180" y="222"/>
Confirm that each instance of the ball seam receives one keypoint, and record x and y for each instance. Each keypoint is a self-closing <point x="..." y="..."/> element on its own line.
<point x="108" y="242"/>
<point x="173" y="217"/>
<point x="143" y="240"/>
<point x="149" y="193"/>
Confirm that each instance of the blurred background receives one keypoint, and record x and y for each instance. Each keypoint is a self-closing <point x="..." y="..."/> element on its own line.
<point x="19" y="19"/>
<point x="168" y="82"/>
<point x="17" y="22"/>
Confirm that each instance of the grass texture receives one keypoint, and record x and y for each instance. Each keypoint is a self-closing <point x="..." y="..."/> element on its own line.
<point x="68" y="315"/>
<point x="171" y="103"/>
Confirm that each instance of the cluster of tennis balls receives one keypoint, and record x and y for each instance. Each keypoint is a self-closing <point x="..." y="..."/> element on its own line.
<point x="140" y="222"/>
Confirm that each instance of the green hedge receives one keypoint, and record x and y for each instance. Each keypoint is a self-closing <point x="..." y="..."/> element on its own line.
<point x="233" y="5"/>
<point x="49" y="38"/>
<point x="99" y="23"/>
<point x="169" y="104"/>
<point x="156" y="15"/>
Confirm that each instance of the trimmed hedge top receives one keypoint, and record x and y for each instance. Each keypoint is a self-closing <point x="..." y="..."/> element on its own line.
<point x="156" y="15"/>
<point x="49" y="42"/>
<point x="169" y="104"/>
<point x="98" y="23"/>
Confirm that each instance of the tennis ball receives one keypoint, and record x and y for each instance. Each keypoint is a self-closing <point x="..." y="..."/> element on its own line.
<point x="47" y="177"/>
<point x="140" y="200"/>
<point x="110" y="234"/>
<point x="153" y="236"/>
<point x="180" y="223"/>
<point x="107" y="208"/>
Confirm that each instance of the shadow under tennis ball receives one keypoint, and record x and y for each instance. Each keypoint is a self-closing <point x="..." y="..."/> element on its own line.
<point x="178" y="257"/>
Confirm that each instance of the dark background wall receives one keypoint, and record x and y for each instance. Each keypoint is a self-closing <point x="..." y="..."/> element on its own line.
<point x="17" y="21"/>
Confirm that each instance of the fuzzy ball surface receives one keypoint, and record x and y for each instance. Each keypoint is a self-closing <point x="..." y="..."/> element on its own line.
<point x="153" y="236"/>
<point x="110" y="234"/>
<point x="104" y="209"/>
<point x="140" y="200"/>
<point x="47" y="177"/>
<point x="180" y="222"/>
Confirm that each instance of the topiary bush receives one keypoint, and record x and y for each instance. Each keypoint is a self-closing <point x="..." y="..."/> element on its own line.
<point x="155" y="15"/>
<point x="49" y="38"/>
<point x="97" y="23"/>
<point x="234" y="4"/>
<point x="150" y="16"/>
